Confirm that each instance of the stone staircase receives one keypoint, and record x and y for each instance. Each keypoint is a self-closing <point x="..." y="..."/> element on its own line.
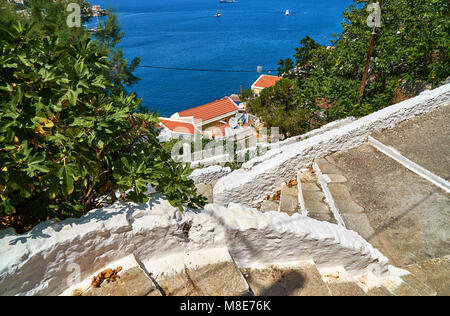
<point x="315" y="204"/>
<point x="305" y="194"/>
<point x="427" y="278"/>
<point x="401" y="213"/>
<point x="397" y="198"/>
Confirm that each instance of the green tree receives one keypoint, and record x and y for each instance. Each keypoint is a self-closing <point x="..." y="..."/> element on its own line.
<point x="67" y="145"/>
<point x="285" y="67"/>
<point x="278" y="107"/>
<point x="410" y="47"/>
<point x="108" y="37"/>
<point x="49" y="18"/>
<point x="246" y="95"/>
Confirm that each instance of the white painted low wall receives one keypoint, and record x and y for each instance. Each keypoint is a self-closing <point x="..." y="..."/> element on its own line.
<point x="208" y="157"/>
<point x="210" y="174"/>
<point x="328" y="127"/>
<point x="42" y="261"/>
<point x="264" y="175"/>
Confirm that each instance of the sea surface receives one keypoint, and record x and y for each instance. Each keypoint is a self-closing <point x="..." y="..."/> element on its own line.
<point x="185" y="34"/>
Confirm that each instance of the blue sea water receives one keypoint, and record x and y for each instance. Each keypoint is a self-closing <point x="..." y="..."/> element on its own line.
<point x="185" y="34"/>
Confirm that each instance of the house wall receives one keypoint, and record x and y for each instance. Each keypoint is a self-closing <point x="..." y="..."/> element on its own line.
<point x="217" y="123"/>
<point x="257" y="91"/>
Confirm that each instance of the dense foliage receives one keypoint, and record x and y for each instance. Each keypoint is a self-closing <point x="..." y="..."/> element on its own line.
<point x="411" y="50"/>
<point x="50" y="18"/>
<point x="47" y="17"/>
<point x="68" y="144"/>
<point x="279" y="107"/>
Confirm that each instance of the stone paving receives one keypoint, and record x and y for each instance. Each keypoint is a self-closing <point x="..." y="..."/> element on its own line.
<point x="225" y="279"/>
<point x="221" y="279"/>
<point x="132" y="282"/>
<point x="303" y="280"/>
<point x="346" y="289"/>
<point x="402" y="214"/>
<point x="314" y="198"/>
<point x="424" y="140"/>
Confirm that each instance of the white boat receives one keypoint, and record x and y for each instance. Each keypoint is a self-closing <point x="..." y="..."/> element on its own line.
<point x="218" y="14"/>
<point x="287" y="13"/>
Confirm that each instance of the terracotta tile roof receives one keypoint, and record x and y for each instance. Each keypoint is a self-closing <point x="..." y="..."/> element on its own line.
<point x="178" y="127"/>
<point x="211" y="110"/>
<point x="266" y="81"/>
<point x="235" y="98"/>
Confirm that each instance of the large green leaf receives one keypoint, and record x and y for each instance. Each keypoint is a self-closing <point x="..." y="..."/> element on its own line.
<point x="66" y="173"/>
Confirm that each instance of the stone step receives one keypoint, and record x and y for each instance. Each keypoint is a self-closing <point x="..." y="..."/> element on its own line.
<point x="351" y="212"/>
<point x="405" y="289"/>
<point x="345" y="289"/>
<point x="400" y="213"/>
<point x="221" y="278"/>
<point x="302" y="279"/>
<point x="421" y="288"/>
<point x="327" y="168"/>
<point x="433" y="275"/>
<point x="289" y="198"/>
<point x="284" y="200"/>
<point x="379" y="291"/>
<point x="314" y="198"/>
<point x="269" y="205"/>
<point x="131" y="282"/>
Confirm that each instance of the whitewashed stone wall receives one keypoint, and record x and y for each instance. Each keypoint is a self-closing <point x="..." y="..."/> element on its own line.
<point x="265" y="174"/>
<point x="208" y="157"/>
<point x="210" y="174"/>
<point x="42" y="261"/>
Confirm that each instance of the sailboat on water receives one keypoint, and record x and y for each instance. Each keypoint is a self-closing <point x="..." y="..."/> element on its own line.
<point x="287" y="13"/>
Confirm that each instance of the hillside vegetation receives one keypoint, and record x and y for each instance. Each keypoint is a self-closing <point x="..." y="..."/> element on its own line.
<point x="411" y="53"/>
<point x="71" y="139"/>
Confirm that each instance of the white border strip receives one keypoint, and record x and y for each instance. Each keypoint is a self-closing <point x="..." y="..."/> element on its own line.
<point x="328" y="197"/>
<point x="301" y="200"/>
<point x="424" y="173"/>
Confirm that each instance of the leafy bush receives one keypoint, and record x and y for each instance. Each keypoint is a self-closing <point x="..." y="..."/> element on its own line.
<point x="279" y="106"/>
<point x="67" y="146"/>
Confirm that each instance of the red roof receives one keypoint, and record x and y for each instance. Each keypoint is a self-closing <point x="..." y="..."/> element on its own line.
<point x="211" y="110"/>
<point x="266" y="81"/>
<point x="235" y="98"/>
<point x="179" y="127"/>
